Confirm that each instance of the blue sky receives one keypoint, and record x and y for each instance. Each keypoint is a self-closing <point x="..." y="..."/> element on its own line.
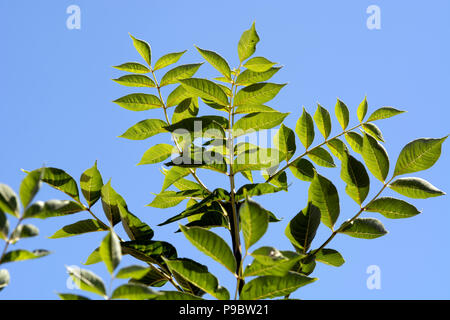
<point x="56" y="110"/>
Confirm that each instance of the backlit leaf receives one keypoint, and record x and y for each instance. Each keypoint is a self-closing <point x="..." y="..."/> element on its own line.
<point x="182" y="72"/>
<point x="110" y="251"/>
<point x="375" y="157"/>
<point x="259" y="64"/>
<point x="216" y="61"/>
<point x="257" y="93"/>
<point x="323" y="194"/>
<point x="254" y="222"/>
<point x="301" y="230"/>
<point x="384" y="113"/>
<point x="342" y="114"/>
<point x="392" y="208"/>
<point x="145" y="129"/>
<point x="247" y="43"/>
<point x="168" y="59"/>
<point x="416" y="188"/>
<point x="143" y="48"/>
<point x="91" y="184"/>
<point x="305" y="129"/>
<point x="139" y="102"/>
<point x="80" y="227"/>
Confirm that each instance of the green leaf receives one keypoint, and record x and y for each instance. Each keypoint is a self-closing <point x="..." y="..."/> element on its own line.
<point x="266" y="287"/>
<point x="52" y="208"/>
<point x="4" y="226"/>
<point x="91" y="184"/>
<point x="330" y="257"/>
<point x="71" y="296"/>
<point x="418" y="155"/>
<point x="254" y="222"/>
<point x="373" y="130"/>
<point x="416" y="188"/>
<point x="80" y="227"/>
<point x="9" y="202"/>
<point x="362" y="110"/>
<point x="173" y="175"/>
<point x="247" y="43"/>
<point x="111" y="201"/>
<point x="342" y="114"/>
<point x="256" y="189"/>
<point x="24" y="231"/>
<point x="323" y="121"/>
<point x="305" y="129"/>
<point x="205" y="89"/>
<point x="354" y="174"/>
<point x="202" y="159"/>
<point x="375" y="157"/>
<point x="139" y="102"/>
<point x="178" y="95"/>
<point x="87" y="280"/>
<point x="384" y="113"/>
<point x="284" y="141"/>
<point x="337" y="147"/>
<point x="149" y="250"/>
<point x="110" y="251"/>
<point x="134" y="291"/>
<point x="321" y="157"/>
<point x="166" y="199"/>
<point x="392" y="208"/>
<point x="323" y="194"/>
<point x="176" y="295"/>
<point x="188" y="108"/>
<point x="216" y="61"/>
<point x="355" y="140"/>
<point x="301" y="230"/>
<point x="208" y="220"/>
<point x="157" y="153"/>
<point x="198" y="275"/>
<point x="135" y="272"/>
<point x="248" y="77"/>
<point x="135" y="80"/>
<point x="168" y="59"/>
<point x="258" y="121"/>
<point x="144" y="49"/>
<point x="212" y="245"/>
<point x="61" y="181"/>
<point x="4" y="278"/>
<point x="94" y="257"/>
<point x="259" y="64"/>
<point x="364" y="228"/>
<point x="182" y="72"/>
<point x="21" y="255"/>
<point x="133" y="67"/>
<point x="29" y="187"/>
<point x="302" y="169"/>
<point x="257" y="93"/>
<point x="271" y="262"/>
<point x="253" y="109"/>
<point x="145" y="129"/>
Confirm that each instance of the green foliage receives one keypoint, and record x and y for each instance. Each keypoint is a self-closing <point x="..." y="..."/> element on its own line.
<point x="232" y="110"/>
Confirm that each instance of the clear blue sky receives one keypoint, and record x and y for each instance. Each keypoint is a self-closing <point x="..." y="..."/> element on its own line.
<point x="56" y="110"/>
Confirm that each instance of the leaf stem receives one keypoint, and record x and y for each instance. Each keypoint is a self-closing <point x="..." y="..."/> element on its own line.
<point x="234" y="221"/>
<point x="8" y="241"/>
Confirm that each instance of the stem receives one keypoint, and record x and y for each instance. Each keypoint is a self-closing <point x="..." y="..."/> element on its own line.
<point x="234" y="221"/>
<point x="193" y="173"/>
<point x="289" y="163"/>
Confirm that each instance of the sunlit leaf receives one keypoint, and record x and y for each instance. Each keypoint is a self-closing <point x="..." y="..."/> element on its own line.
<point x="139" y="102"/>
<point x="87" y="280"/>
<point x="362" y="110"/>
<point x="418" y="155"/>
<point x="254" y="222"/>
<point x="110" y="251"/>
<point x="182" y="72"/>
<point x="342" y="114"/>
<point x="157" y="153"/>
<point x="321" y="157"/>
<point x="143" y="48"/>
<point x="168" y="59"/>
<point x="248" y="77"/>
<point x="323" y="194"/>
<point x="212" y="245"/>
<point x="205" y="89"/>
<point x="384" y="113"/>
<point x="301" y="230"/>
<point x="373" y="130"/>
<point x="80" y="227"/>
<point x="91" y="184"/>
<point x="135" y="80"/>
<point x="354" y="174"/>
<point x="323" y="121"/>
<point x="257" y="93"/>
<point x="392" y="208"/>
<point x="266" y="287"/>
<point x="259" y="64"/>
<point x="364" y="228"/>
<point x="375" y="157"/>
<point x="247" y="43"/>
<point x="145" y="129"/>
<point x="21" y="255"/>
<point x="416" y="188"/>
<point x="9" y="201"/>
<point x="133" y="67"/>
<point x="216" y="61"/>
<point x="305" y="129"/>
<point x="133" y="291"/>
<point x="302" y="169"/>
<point x="198" y="275"/>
